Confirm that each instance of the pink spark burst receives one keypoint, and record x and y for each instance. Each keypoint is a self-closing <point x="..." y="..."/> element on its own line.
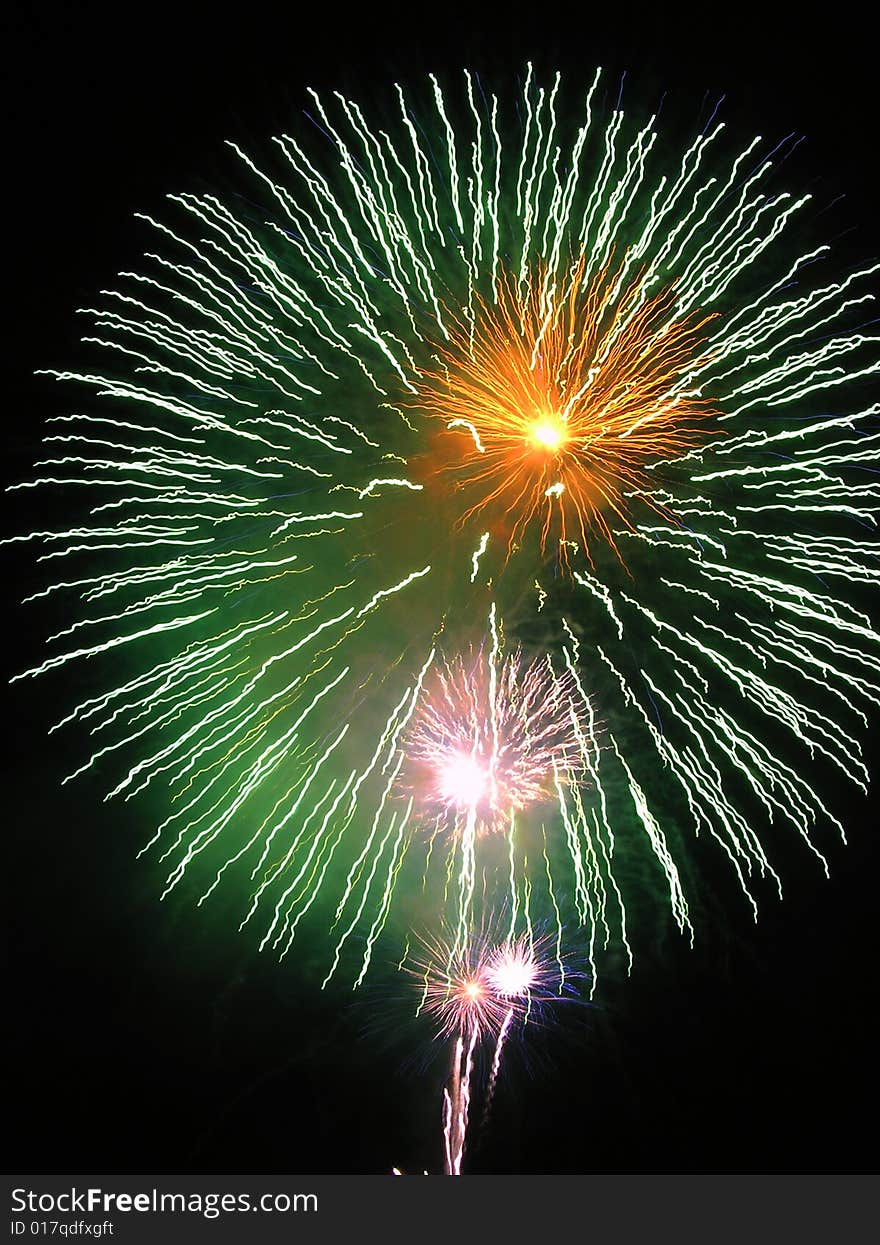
<point x="459" y="995"/>
<point x="491" y="736"/>
<point x="483" y="986"/>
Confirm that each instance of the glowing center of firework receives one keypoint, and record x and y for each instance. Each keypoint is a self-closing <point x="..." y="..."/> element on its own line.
<point x="464" y="781"/>
<point x="548" y="433"/>
<point x="472" y="991"/>
<point x="512" y="973"/>
<point x="588" y="373"/>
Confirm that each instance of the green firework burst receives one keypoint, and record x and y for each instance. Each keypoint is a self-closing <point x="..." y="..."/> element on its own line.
<point x="277" y="549"/>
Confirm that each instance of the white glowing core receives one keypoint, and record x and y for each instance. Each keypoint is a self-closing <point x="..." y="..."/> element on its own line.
<point x="512" y="973"/>
<point x="464" y="781"/>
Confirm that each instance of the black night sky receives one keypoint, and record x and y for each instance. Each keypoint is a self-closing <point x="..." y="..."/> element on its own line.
<point x="148" y="1037"/>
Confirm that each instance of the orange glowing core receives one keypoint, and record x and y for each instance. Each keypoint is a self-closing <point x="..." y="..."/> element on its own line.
<point x="556" y="396"/>
<point x="548" y="433"/>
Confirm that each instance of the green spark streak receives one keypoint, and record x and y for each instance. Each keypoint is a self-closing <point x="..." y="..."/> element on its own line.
<point x="511" y="831"/>
<point x="559" y="960"/>
<point x="467" y="837"/>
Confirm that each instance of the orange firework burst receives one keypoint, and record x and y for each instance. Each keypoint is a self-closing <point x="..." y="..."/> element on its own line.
<point x="560" y="396"/>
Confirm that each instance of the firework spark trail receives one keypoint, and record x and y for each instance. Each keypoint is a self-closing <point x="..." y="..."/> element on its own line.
<point x="306" y="409"/>
<point x="458" y="994"/>
<point x="475" y="994"/>
<point x="496" y="1063"/>
<point x="456" y="1102"/>
<point x="516" y="973"/>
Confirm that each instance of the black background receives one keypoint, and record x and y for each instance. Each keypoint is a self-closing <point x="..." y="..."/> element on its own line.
<point x="145" y="1037"/>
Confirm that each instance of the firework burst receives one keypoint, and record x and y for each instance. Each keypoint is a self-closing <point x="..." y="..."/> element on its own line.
<point x="352" y="419"/>
<point x="459" y="993"/>
<point x="490" y="737"/>
<point x="475" y="994"/>
<point x="557" y="397"/>
<point x="483" y="984"/>
<point x="516" y="969"/>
